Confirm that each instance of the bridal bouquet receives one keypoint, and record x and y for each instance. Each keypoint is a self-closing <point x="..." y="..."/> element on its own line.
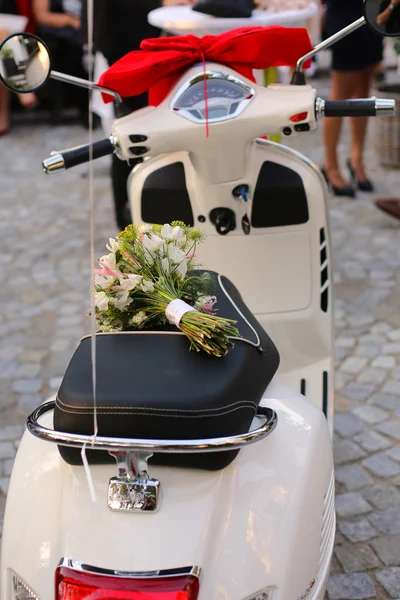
<point x="143" y="283"/>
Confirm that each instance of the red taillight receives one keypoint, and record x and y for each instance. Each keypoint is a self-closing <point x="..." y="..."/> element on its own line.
<point x="77" y="585"/>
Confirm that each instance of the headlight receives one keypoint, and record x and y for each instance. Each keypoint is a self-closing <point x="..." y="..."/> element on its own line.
<point x="19" y="589"/>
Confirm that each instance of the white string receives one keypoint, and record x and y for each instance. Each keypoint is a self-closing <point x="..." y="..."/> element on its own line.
<point x="90" y="19"/>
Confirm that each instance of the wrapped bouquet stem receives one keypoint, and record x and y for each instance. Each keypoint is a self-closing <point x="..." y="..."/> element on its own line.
<point x="148" y="281"/>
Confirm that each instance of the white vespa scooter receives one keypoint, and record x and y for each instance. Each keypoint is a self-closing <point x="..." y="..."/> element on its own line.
<point x="198" y="520"/>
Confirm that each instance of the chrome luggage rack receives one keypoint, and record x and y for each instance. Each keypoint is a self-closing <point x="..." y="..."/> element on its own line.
<point x="134" y="490"/>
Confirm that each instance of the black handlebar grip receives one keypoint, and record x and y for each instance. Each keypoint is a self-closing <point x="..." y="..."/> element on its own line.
<point x="81" y="155"/>
<point x="350" y="108"/>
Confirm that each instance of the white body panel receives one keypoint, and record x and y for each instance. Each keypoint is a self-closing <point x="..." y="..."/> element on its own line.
<point x="255" y="524"/>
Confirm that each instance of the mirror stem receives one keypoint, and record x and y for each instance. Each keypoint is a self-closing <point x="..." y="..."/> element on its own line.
<point x="298" y="75"/>
<point x="84" y="83"/>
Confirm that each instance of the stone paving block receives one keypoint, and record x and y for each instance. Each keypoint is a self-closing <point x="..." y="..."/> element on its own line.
<point x="351" y="505"/>
<point x="29" y="386"/>
<point x="390" y="428"/>
<point x="370" y="414"/>
<point x="394" y="336"/>
<point x="387" y="548"/>
<point x="358" y="391"/>
<point x="373" y="376"/>
<point x="6" y="450"/>
<point x="381" y="465"/>
<point x="347" y="424"/>
<point x="345" y="342"/>
<point x="356" y="586"/>
<point x="353" y="477"/>
<point x="28" y="370"/>
<point x="27" y="402"/>
<point x="367" y="350"/>
<point x="371" y="441"/>
<point x="353" y="364"/>
<point x="357" y="530"/>
<point x="381" y="328"/>
<point x="394" y="453"/>
<point x="382" y="495"/>
<point x="4" y="483"/>
<point x="390" y="579"/>
<point x="391" y="348"/>
<point x="11" y="432"/>
<point x="386" y="401"/>
<point x="392" y="387"/>
<point x="384" y="362"/>
<point x="356" y="558"/>
<point x="7" y="467"/>
<point x="387" y="521"/>
<point x="346" y="451"/>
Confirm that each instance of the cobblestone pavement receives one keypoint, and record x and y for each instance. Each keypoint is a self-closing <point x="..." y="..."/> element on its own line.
<point x="44" y="268"/>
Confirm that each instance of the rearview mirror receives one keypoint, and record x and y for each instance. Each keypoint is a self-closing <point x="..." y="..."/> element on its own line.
<point x="383" y="16"/>
<point x="24" y="63"/>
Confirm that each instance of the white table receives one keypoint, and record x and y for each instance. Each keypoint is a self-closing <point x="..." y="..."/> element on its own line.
<point x="180" y="20"/>
<point x="13" y="23"/>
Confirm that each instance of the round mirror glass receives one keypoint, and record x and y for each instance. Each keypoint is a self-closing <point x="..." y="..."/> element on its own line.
<point x="24" y="62"/>
<point x="383" y="16"/>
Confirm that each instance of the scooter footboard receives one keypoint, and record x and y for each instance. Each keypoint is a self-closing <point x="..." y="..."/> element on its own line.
<point x="264" y="522"/>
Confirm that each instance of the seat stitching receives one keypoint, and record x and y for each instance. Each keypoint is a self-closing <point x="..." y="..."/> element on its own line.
<point x="194" y="410"/>
<point x="152" y="414"/>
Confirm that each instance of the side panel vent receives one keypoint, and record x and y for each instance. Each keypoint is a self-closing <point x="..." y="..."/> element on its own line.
<point x="324" y="269"/>
<point x="325" y="393"/>
<point x="328" y="525"/>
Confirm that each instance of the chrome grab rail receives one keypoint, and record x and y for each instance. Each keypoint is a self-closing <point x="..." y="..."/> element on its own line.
<point x="234" y="442"/>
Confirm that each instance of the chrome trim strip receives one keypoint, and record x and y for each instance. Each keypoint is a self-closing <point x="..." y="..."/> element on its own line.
<point x="83" y="568"/>
<point x="212" y="75"/>
<point x="234" y="442"/>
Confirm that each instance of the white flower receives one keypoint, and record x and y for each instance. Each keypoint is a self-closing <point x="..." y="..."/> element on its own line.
<point x="130" y="282"/>
<point x="172" y="233"/>
<point x="101" y="300"/>
<point x="139" y="318"/>
<point x="112" y="245"/>
<point x="147" y="286"/>
<point x="153" y="243"/>
<point x="122" y="300"/>
<point x="178" y="258"/>
<point x="166" y="265"/>
<point x="104" y="281"/>
<point x="145" y="228"/>
<point x="109" y="260"/>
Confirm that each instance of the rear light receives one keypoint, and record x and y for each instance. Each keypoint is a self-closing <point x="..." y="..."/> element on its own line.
<point x="72" y="584"/>
<point x="19" y="589"/>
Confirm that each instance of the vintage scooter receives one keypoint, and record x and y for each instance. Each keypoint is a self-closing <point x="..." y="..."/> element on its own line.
<point x="224" y="487"/>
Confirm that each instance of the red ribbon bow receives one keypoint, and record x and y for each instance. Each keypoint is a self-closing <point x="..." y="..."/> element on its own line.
<point x="161" y="61"/>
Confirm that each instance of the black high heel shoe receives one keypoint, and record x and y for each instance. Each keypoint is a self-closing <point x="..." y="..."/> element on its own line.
<point x="365" y="185"/>
<point x="346" y="190"/>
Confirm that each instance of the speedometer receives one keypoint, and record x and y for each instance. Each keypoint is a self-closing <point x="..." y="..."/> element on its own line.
<point x="226" y="97"/>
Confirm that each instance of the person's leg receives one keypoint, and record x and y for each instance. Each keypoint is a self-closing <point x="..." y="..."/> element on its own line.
<point x="4" y="110"/>
<point x="358" y="125"/>
<point x="342" y="88"/>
